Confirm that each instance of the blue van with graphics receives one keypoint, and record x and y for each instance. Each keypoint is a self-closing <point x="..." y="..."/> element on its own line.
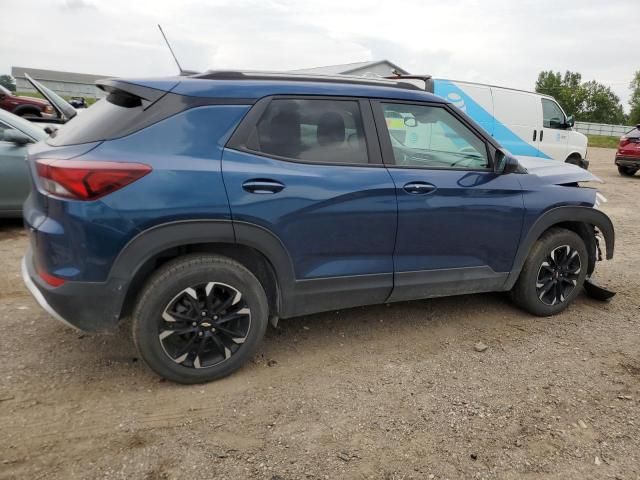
<point x="527" y="124"/>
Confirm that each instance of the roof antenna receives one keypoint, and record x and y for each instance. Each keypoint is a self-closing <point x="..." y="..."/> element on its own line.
<point x="182" y="72"/>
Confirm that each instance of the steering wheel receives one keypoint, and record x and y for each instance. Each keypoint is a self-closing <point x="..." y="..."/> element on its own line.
<point x="470" y="154"/>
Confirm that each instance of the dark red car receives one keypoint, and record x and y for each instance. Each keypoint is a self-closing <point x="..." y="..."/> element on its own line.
<point x="628" y="154"/>
<point x="24" y="106"/>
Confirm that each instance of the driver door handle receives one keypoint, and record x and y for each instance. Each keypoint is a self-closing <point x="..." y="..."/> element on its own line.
<point x="262" y="185"/>
<point x="419" y="188"/>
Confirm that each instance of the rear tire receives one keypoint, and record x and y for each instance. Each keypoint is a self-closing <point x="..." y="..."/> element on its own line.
<point x="627" y="171"/>
<point x="553" y="273"/>
<point x="199" y="318"/>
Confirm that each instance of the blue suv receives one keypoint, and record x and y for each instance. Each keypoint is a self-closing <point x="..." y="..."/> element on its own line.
<point x="202" y="207"/>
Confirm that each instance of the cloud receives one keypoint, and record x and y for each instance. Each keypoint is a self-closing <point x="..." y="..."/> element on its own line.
<point x="494" y="41"/>
<point x="77" y="4"/>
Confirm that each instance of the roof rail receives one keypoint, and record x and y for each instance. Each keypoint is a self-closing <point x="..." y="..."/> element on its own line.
<point x="427" y="79"/>
<point x="302" y="77"/>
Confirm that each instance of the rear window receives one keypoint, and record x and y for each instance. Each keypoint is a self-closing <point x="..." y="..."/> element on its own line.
<point x="107" y="118"/>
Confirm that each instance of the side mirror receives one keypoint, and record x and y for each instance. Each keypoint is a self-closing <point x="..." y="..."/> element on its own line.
<point x="505" y="163"/>
<point x="570" y="121"/>
<point x="17" y="137"/>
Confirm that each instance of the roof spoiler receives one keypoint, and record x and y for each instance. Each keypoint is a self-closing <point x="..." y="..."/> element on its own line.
<point x="126" y="93"/>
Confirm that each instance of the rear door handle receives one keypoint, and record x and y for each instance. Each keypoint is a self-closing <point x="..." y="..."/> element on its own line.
<point x="262" y="185"/>
<point x="534" y="135"/>
<point x="419" y="188"/>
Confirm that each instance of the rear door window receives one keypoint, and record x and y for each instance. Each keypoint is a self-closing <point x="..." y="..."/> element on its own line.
<point x="310" y="130"/>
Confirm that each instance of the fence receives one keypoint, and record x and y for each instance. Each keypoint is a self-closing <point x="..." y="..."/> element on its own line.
<point x="601" y="129"/>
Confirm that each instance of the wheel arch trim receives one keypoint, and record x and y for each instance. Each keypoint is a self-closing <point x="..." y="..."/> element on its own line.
<point x="153" y="241"/>
<point x="555" y="216"/>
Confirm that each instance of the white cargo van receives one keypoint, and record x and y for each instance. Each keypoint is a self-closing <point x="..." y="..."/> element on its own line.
<point x="526" y="123"/>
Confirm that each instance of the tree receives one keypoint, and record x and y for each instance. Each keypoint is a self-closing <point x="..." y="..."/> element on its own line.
<point x="8" y="82"/>
<point x="567" y="90"/>
<point x="587" y="101"/>
<point x="634" y="101"/>
<point x="601" y="105"/>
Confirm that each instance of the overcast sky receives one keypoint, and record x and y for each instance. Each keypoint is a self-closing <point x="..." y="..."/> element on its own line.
<point x="493" y="41"/>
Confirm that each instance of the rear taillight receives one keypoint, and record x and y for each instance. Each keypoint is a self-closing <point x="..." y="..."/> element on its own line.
<point x="87" y="180"/>
<point x="624" y="141"/>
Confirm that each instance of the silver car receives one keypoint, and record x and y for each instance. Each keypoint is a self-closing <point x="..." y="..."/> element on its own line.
<point x="16" y="134"/>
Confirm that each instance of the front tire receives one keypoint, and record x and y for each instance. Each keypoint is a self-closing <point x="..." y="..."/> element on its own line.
<point x="627" y="171"/>
<point x="199" y="318"/>
<point x="553" y="273"/>
<point x="577" y="160"/>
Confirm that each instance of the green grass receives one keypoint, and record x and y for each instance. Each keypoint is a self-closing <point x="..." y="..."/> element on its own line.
<point x="90" y="101"/>
<point x="603" y="141"/>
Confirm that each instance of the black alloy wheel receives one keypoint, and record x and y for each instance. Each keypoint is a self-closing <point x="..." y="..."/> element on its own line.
<point x="204" y="325"/>
<point x="558" y="275"/>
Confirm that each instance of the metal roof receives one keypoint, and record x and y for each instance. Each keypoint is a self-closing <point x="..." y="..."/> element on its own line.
<point x="347" y="68"/>
<point x="56" y="76"/>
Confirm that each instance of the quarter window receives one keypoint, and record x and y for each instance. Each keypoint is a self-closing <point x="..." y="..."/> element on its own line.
<point x="326" y="131"/>
<point x="552" y="114"/>
<point x="425" y="136"/>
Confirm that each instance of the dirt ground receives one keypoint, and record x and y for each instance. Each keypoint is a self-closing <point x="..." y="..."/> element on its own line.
<point x="390" y="392"/>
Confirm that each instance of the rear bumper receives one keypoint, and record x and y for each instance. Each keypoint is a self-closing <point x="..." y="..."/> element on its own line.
<point x="628" y="161"/>
<point x="86" y="306"/>
<point x="39" y="297"/>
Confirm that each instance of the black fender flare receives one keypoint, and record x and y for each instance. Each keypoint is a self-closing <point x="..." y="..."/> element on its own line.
<point x="588" y="215"/>
<point x="149" y="243"/>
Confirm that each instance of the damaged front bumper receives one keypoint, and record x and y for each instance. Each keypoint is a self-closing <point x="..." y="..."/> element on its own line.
<point x="591" y="287"/>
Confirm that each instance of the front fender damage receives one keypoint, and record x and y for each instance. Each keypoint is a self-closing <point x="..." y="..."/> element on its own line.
<point x="591" y="287"/>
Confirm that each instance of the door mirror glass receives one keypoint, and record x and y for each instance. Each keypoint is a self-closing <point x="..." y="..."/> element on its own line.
<point x="15" y="136"/>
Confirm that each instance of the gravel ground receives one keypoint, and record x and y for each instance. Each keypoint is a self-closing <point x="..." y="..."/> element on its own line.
<point x="392" y="391"/>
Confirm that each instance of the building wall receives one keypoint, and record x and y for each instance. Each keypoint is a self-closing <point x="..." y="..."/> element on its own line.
<point x="378" y="70"/>
<point x="68" y="89"/>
